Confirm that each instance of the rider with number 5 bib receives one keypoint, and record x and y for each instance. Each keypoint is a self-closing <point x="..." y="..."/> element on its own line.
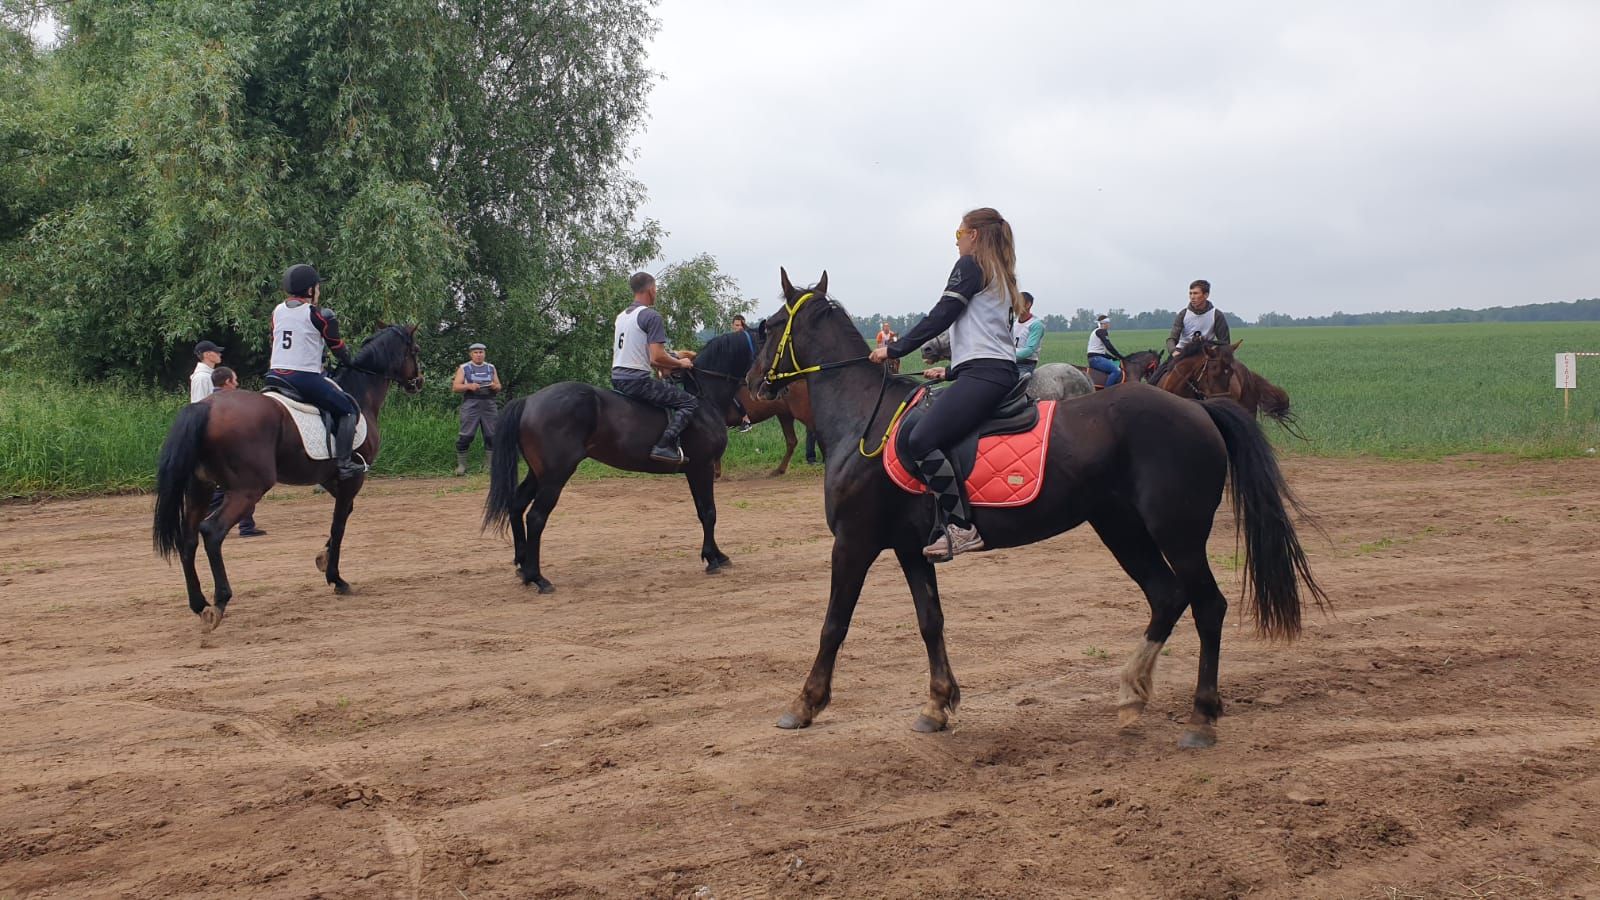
<point x="302" y="332"/>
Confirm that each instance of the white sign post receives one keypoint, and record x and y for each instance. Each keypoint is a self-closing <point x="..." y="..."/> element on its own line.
<point x="1566" y="379"/>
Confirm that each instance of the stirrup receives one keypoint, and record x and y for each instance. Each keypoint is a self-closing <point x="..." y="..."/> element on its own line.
<point x="666" y="454"/>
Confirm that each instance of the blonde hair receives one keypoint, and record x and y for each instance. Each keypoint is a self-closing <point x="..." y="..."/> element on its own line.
<point x="996" y="254"/>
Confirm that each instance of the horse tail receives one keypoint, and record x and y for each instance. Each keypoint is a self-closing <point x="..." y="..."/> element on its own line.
<point x="498" y="506"/>
<point x="180" y="456"/>
<point x="1274" y="563"/>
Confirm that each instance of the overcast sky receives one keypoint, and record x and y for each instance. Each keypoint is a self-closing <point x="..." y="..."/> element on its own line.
<point x="1304" y="158"/>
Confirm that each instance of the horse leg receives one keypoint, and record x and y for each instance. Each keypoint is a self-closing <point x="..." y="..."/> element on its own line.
<point x="344" y="501"/>
<point x="944" y="695"/>
<point x="702" y="485"/>
<point x="1125" y="535"/>
<point x="851" y="560"/>
<point x="196" y="499"/>
<point x="215" y="528"/>
<point x="544" y="502"/>
<point x="519" y="506"/>
<point x="786" y="422"/>
<point x="1210" y="608"/>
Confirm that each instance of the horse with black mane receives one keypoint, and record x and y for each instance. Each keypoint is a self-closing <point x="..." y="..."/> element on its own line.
<point x="246" y="442"/>
<point x="1151" y="502"/>
<point x="1216" y="372"/>
<point x="559" y="426"/>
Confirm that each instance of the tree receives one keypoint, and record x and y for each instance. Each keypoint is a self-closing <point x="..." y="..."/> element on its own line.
<point x="455" y="164"/>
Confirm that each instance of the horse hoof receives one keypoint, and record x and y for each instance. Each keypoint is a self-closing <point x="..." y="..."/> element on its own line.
<point x="545" y="587"/>
<point x="1128" y="716"/>
<point x="341" y="587"/>
<point x="322" y="561"/>
<point x="926" y="724"/>
<point x="792" y="720"/>
<point x="210" y="618"/>
<point x="1198" y="737"/>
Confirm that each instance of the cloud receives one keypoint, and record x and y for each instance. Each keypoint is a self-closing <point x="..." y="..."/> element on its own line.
<point x="1303" y="159"/>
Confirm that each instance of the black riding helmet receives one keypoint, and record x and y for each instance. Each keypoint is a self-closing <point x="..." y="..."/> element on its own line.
<point x="299" y="279"/>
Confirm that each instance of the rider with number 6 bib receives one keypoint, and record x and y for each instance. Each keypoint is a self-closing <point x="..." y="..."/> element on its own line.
<point x="302" y="332"/>
<point x="640" y="345"/>
<point x="977" y="307"/>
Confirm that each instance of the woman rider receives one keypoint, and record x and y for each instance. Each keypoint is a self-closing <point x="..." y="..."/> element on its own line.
<point x="977" y="306"/>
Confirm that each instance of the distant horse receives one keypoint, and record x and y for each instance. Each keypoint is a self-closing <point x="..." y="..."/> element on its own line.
<point x="1216" y="373"/>
<point x="559" y="426"/>
<point x="1051" y="381"/>
<point x="1136" y="366"/>
<point x="1151" y="501"/>
<point x="793" y="403"/>
<point x="246" y="443"/>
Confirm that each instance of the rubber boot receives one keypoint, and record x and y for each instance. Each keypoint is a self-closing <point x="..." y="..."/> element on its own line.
<point x="344" y="445"/>
<point x="667" y="449"/>
<point x="461" y="463"/>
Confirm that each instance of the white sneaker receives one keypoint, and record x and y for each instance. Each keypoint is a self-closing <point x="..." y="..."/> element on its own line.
<point x="952" y="543"/>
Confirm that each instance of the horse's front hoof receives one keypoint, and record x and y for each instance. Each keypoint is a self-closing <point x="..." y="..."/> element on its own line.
<point x="714" y="566"/>
<point x="926" y="724"/>
<point x="545" y="587"/>
<point x="210" y="618"/>
<point x="1198" y="737"/>
<point x="1128" y="715"/>
<point x="793" y="720"/>
<point x="341" y="586"/>
<point x="322" y="561"/>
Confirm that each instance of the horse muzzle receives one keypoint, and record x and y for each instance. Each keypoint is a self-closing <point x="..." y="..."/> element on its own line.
<point x="412" y="385"/>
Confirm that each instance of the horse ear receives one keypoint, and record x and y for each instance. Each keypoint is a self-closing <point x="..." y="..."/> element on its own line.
<point x="1235" y="347"/>
<point x="821" y="290"/>
<point x="788" y="289"/>
<point x="1211" y="351"/>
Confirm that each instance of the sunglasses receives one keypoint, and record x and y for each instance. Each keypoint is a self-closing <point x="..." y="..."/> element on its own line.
<point x="960" y="232"/>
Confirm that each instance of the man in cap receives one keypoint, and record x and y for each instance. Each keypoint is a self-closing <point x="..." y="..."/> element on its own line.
<point x="209" y="356"/>
<point x="478" y="382"/>
<point x="641" y="344"/>
<point x="302" y="333"/>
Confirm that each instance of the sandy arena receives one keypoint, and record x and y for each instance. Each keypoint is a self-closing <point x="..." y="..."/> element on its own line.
<point x="445" y="732"/>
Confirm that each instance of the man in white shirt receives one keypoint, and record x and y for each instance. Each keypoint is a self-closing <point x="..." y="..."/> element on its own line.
<point x="210" y="356"/>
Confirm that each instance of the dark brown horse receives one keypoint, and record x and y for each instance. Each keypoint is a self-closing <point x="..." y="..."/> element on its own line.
<point x="793" y="403"/>
<point x="246" y="443"/>
<point x="1216" y="372"/>
<point x="559" y="426"/>
<point x="1151" y="502"/>
<point x="1136" y="366"/>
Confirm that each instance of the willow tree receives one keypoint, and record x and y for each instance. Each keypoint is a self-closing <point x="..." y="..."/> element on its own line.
<point x="458" y="163"/>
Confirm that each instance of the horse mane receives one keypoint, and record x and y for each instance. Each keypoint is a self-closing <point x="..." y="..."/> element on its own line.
<point x="382" y="347"/>
<point x="726" y="354"/>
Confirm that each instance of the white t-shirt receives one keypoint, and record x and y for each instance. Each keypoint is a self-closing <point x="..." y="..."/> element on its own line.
<point x="200" y="386"/>
<point x="297" y="345"/>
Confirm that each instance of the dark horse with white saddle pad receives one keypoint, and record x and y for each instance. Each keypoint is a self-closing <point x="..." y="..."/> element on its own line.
<point x="559" y="426"/>
<point x="245" y="443"/>
<point x="1151" y="501"/>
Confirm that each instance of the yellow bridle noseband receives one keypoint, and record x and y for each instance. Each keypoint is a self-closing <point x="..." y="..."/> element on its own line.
<point x="786" y="342"/>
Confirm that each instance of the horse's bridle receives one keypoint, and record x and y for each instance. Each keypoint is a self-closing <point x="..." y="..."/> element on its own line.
<point x="786" y="342"/>
<point x="411" y="385"/>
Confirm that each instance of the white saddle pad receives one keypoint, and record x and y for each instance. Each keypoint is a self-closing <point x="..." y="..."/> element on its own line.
<point x="319" y="444"/>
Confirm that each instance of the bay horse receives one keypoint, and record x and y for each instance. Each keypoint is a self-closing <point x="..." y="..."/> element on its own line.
<point x="1136" y="366"/>
<point x="1151" y="502"/>
<point x="246" y="442"/>
<point x="1217" y="373"/>
<point x="793" y="403"/>
<point x="559" y="426"/>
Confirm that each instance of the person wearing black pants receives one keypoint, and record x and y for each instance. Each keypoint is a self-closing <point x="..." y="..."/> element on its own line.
<point x="641" y="343"/>
<point x="977" y="307"/>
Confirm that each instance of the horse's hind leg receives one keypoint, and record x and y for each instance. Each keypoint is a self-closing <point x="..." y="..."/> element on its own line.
<point x="544" y="502"/>
<point x="944" y="695"/>
<point x="702" y="485"/>
<point x="215" y="528"/>
<point x="786" y="422"/>
<point x="197" y="498"/>
<point x="1210" y="607"/>
<point x="519" y="506"/>
<point x="1136" y="551"/>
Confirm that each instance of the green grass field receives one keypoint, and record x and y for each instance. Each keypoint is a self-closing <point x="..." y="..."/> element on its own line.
<point x="1397" y="391"/>
<point x="1413" y="390"/>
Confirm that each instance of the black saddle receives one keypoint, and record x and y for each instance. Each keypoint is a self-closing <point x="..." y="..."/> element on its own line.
<point x="1016" y="413"/>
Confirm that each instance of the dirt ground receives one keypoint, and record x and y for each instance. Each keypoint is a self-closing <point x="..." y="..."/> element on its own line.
<point x="444" y="732"/>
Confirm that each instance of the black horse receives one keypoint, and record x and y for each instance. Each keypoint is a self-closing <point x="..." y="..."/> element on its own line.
<point x="557" y="427"/>
<point x="1151" y="502"/>
<point x="247" y="443"/>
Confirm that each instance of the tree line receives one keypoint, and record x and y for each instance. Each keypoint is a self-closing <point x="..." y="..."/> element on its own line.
<point x="458" y="165"/>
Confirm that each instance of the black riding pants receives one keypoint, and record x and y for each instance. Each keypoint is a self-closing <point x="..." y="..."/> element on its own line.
<point x="656" y="392"/>
<point x="971" y="398"/>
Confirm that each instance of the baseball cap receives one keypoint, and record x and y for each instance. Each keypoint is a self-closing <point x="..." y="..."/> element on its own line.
<point x="477" y="347"/>
<point x="206" y="347"/>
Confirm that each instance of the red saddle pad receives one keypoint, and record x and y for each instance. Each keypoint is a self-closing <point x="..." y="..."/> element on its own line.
<point x="1009" y="470"/>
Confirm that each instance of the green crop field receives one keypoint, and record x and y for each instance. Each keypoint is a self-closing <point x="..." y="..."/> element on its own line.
<point x="1406" y="391"/>
<point x="1413" y="390"/>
